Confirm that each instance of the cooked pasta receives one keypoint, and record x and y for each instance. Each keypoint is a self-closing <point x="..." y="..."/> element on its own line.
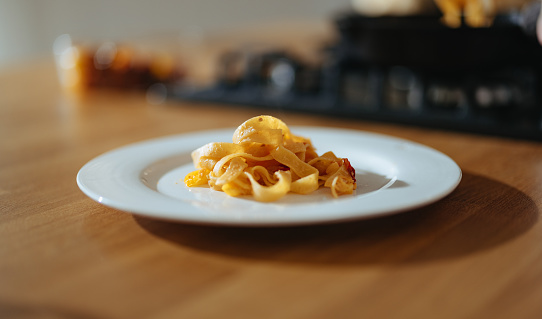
<point x="266" y="160"/>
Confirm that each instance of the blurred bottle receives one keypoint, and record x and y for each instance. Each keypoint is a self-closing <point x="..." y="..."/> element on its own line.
<point x="82" y="67"/>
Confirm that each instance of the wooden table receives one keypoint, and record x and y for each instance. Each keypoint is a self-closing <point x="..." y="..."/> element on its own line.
<point x="475" y="254"/>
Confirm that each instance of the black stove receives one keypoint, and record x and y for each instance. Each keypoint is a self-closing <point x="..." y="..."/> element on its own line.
<point x="410" y="70"/>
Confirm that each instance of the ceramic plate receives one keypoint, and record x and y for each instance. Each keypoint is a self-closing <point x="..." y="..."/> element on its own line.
<point x="146" y="178"/>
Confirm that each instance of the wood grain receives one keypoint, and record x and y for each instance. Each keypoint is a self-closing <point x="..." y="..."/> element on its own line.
<point x="475" y="254"/>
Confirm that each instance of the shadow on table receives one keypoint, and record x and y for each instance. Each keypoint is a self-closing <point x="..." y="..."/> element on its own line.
<point x="11" y="310"/>
<point x="480" y="214"/>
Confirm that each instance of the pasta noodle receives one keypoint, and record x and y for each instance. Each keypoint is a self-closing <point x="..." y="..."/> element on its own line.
<point x="267" y="161"/>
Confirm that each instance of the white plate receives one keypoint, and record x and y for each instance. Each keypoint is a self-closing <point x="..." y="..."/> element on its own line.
<point x="146" y="178"/>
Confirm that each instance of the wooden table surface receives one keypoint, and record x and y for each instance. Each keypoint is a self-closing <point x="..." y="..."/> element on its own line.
<point x="475" y="254"/>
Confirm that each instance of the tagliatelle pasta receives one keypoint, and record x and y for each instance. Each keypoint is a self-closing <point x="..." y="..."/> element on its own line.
<point x="267" y="161"/>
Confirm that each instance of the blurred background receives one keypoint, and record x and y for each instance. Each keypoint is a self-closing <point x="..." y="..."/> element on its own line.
<point x="29" y="27"/>
<point x="468" y="65"/>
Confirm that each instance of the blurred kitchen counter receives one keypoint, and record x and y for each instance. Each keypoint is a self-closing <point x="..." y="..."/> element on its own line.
<point x="475" y="254"/>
